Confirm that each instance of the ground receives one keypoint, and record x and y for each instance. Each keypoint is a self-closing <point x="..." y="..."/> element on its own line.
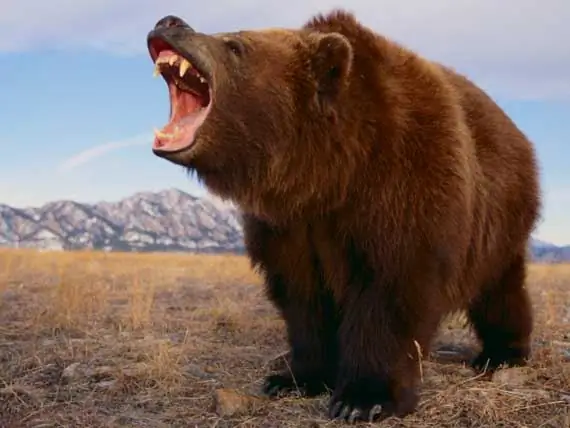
<point x="175" y="340"/>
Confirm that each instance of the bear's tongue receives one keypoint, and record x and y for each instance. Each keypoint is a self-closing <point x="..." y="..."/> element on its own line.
<point x="186" y="115"/>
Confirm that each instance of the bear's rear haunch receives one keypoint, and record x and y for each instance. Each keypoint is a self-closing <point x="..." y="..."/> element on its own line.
<point x="380" y="191"/>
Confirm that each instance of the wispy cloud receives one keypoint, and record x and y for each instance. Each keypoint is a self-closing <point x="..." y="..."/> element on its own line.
<point x="516" y="47"/>
<point x="93" y="153"/>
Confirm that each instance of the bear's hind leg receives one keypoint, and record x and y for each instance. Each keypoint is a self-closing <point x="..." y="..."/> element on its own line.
<point x="502" y="319"/>
<point x="311" y="330"/>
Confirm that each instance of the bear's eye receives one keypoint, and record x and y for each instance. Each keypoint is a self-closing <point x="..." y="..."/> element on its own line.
<point x="234" y="46"/>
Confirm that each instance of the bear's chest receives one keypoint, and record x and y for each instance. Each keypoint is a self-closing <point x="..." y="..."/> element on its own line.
<point x="307" y="255"/>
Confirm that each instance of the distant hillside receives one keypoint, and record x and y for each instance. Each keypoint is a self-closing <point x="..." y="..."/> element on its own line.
<point x="170" y="220"/>
<point x="549" y="253"/>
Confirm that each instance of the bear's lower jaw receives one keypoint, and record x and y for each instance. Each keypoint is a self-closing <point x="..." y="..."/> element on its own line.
<point x="187" y="114"/>
<point x="176" y="137"/>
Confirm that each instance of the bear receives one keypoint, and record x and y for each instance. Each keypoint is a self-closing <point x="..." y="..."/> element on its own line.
<point x="379" y="192"/>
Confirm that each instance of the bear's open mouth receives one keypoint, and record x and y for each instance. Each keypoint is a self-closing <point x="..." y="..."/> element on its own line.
<point x="190" y="98"/>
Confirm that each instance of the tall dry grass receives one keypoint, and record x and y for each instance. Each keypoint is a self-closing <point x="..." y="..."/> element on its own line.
<point x="124" y="339"/>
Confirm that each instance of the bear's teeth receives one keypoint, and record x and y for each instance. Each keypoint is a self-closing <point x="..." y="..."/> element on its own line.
<point x="160" y="61"/>
<point x="164" y="59"/>
<point x="184" y="66"/>
<point x="156" y="71"/>
<point x="161" y="134"/>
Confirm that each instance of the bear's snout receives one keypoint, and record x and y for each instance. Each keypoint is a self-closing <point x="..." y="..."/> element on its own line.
<point x="172" y="21"/>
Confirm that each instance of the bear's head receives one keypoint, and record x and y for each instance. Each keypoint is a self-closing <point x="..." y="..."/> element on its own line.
<point x="261" y="116"/>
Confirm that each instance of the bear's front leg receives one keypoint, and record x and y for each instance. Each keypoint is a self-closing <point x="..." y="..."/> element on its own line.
<point x="312" y="336"/>
<point x="379" y="359"/>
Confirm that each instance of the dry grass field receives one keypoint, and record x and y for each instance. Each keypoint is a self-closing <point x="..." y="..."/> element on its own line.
<point x="171" y="340"/>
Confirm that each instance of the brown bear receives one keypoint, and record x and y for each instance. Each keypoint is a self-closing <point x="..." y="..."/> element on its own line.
<point x="380" y="191"/>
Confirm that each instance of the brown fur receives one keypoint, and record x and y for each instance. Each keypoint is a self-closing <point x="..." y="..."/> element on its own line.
<point x="380" y="191"/>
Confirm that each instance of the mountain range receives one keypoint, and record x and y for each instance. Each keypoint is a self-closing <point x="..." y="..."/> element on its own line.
<point x="170" y="220"/>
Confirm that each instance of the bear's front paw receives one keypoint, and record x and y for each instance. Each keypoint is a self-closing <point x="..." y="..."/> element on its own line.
<point x="368" y="400"/>
<point x="285" y="383"/>
<point x="491" y="360"/>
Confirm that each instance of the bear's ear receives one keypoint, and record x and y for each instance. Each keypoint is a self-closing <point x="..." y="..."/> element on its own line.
<point x="331" y="62"/>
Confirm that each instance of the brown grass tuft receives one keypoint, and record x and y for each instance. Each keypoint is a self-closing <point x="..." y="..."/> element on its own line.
<point x="91" y="339"/>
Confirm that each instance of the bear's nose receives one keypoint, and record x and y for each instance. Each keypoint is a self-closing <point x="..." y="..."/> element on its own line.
<point x="172" y="21"/>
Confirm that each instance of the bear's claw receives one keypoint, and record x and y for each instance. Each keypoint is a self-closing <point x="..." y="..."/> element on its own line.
<point x="368" y="400"/>
<point x="355" y="414"/>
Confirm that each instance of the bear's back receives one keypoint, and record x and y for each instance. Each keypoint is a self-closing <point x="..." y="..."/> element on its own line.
<point x="505" y="157"/>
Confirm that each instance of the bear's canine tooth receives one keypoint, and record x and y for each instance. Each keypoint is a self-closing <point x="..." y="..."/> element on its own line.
<point x="184" y="66"/>
<point x="161" y="134"/>
<point x="156" y="71"/>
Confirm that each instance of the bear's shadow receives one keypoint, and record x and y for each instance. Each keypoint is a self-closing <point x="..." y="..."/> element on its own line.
<point x="441" y="352"/>
<point x="452" y="353"/>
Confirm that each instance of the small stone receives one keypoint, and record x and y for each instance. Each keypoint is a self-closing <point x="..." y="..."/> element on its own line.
<point x="228" y="402"/>
<point x="106" y="384"/>
<point x="70" y="372"/>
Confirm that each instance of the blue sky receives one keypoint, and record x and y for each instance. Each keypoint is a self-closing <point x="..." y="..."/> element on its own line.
<point x="79" y="101"/>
